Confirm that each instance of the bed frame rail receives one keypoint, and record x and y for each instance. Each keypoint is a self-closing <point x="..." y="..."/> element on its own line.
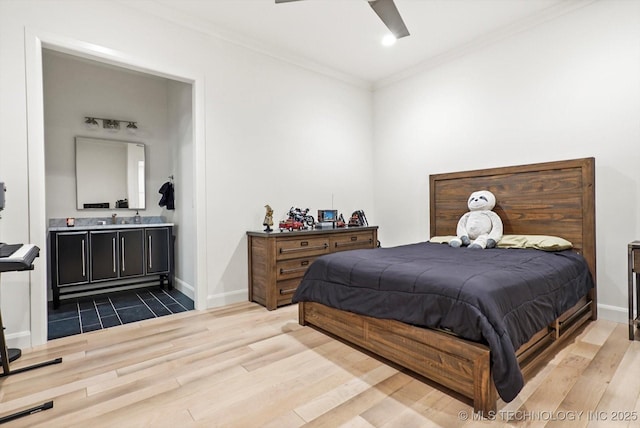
<point x="457" y="364"/>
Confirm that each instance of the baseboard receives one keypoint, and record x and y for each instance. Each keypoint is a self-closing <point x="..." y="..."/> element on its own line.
<point x="613" y="313"/>
<point x="223" y="299"/>
<point x="21" y="340"/>
<point x="184" y="287"/>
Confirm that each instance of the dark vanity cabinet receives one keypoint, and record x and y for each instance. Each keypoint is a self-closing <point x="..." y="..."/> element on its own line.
<point x="131" y="252"/>
<point x="70" y="250"/>
<point x="116" y="254"/>
<point x="104" y="260"/>
<point x="158" y="242"/>
<point x="93" y="260"/>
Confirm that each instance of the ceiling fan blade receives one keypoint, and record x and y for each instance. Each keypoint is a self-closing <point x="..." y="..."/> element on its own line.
<point x="388" y="12"/>
<point x="285" y="1"/>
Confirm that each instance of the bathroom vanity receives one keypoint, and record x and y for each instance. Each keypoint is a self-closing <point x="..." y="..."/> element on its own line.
<point x="92" y="258"/>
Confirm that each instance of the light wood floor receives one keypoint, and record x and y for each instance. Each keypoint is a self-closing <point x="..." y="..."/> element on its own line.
<point x="242" y="366"/>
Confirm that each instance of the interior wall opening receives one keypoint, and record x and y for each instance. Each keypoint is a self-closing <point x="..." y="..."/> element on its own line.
<point x="76" y="88"/>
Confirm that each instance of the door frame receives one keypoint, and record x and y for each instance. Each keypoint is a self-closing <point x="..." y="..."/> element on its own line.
<point x="35" y="41"/>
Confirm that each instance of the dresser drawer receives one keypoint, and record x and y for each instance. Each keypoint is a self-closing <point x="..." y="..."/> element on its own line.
<point x="294" y="268"/>
<point x="352" y="241"/>
<point x="636" y="261"/>
<point x="286" y="289"/>
<point x="301" y="247"/>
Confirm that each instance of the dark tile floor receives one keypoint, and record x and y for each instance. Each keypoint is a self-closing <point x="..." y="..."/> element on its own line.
<point x="83" y="314"/>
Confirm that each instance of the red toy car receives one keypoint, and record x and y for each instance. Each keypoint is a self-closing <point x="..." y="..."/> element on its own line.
<point x="291" y="224"/>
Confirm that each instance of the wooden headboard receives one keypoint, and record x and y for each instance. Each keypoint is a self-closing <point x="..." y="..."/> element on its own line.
<point x="551" y="198"/>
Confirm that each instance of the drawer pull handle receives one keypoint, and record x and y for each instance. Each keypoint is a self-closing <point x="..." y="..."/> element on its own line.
<point x="288" y="291"/>
<point x="354" y="238"/>
<point x="293" y="250"/>
<point x="350" y="244"/>
<point x="304" y="243"/>
<point x="284" y="271"/>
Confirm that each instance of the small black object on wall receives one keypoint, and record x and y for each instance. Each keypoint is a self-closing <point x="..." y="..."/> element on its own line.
<point x="167" y="198"/>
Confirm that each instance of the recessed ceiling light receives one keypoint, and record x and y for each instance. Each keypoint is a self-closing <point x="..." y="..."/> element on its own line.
<point x="388" y="40"/>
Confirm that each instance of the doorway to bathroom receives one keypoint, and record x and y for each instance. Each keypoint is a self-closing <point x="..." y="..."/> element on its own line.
<point x="76" y="89"/>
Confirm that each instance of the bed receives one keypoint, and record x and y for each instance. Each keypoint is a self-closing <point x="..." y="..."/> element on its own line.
<point x="553" y="198"/>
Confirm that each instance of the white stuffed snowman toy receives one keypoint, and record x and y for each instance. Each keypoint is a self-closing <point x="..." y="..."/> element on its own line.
<point x="480" y="227"/>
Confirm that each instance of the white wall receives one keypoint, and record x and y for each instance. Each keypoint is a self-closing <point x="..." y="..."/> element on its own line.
<point x="569" y="88"/>
<point x="75" y="88"/>
<point x="300" y="140"/>
<point x="275" y="133"/>
<point x="180" y="123"/>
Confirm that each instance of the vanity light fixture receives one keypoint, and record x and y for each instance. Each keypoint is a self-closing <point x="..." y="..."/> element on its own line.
<point x="132" y="128"/>
<point x="112" y="125"/>
<point x="91" y="123"/>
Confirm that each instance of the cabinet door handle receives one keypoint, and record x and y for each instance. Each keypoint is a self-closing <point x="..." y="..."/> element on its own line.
<point x="113" y="242"/>
<point x="122" y="253"/>
<point x="84" y="260"/>
<point x="150" y="254"/>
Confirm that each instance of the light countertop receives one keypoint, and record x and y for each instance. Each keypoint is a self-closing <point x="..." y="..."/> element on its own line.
<point x="108" y="226"/>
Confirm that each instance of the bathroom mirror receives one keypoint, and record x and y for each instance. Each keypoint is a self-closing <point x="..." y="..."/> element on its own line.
<point x="109" y="174"/>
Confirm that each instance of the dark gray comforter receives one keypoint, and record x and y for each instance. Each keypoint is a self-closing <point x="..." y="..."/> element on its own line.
<point x="500" y="297"/>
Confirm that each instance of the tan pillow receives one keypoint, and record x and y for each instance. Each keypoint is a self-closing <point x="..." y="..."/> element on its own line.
<point x="538" y="242"/>
<point x="441" y="239"/>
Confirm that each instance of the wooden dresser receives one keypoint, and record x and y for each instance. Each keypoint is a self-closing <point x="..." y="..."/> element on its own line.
<point x="278" y="260"/>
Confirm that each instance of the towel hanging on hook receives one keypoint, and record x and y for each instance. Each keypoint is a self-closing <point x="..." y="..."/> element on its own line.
<point x="168" y="198"/>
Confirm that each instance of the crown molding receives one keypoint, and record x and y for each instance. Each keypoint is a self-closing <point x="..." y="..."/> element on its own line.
<point x="493" y="37"/>
<point x="159" y="10"/>
<point x="167" y="13"/>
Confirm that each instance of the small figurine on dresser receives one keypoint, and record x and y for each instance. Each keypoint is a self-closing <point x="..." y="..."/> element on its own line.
<point x="297" y="219"/>
<point x="268" y="219"/>
<point x="358" y="219"/>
